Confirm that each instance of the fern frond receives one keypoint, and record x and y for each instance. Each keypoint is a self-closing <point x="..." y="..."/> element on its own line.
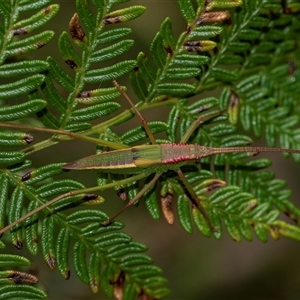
<point x="260" y="97"/>
<point x="15" y="284"/>
<point x="85" y="66"/>
<point x="100" y="242"/>
<point x="233" y="50"/>
<point x="13" y="27"/>
<point x="248" y="49"/>
<point x="114" y="260"/>
<point x="11" y="47"/>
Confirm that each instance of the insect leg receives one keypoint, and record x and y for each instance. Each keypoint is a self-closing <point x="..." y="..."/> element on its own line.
<point x="190" y="189"/>
<point x="196" y="124"/>
<point x="133" y="200"/>
<point x="152" y="140"/>
<point x="143" y="120"/>
<point x="195" y="200"/>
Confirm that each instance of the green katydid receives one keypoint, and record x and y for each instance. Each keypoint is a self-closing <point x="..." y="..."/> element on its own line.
<point x="142" y="161"/>
<point x="158" y="159"/>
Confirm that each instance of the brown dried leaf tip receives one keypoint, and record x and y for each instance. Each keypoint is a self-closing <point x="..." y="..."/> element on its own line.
<point x="47" y="9"/>
<point x="28" y="138"/>
<point x="89" y="197"/>
<point x="19" y="31"/>
<point x="144" y="296"/>
<point x="111" y="20"/>
<point x="233" y="108"/>
<point x="252" y="204"/>
<point x="40" y="44"/>
<point x="214" y="184"/>
<point x="84" y="94"/>
<point x="51" y="262"/>
<point x="234" y="99"/>
<point x="169" y="50"/>
<point x="292" y="216"/>
<point x="18" y="244"/>
<point x="275" y="232"/>
<point x="22" y="278"/>
<point x="71" y="63"/>
<point x="122" y="194"/>
<point x="94" y="285"/>
<point x="67" y="274"/>
<point x="199" y="46"/>
<point x="76" y="30"/>
<point x="92" y="199"/>
<point x="166" y="206"/>
<point x="119" y="286"/>
<point x="212" y="17"/>
<point x="26" y="176"/>
<point x="193" y="46"/>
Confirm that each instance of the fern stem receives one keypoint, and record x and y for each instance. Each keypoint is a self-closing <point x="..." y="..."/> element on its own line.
<point x="127" y="114"/>
<point x="223" y="48"/>
<point x="53" y="140"/>
<point x="73" y="193"/>
<point x="64" y="135"/>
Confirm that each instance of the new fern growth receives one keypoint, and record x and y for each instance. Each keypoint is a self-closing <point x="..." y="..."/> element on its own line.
<point x="247" y="51"/>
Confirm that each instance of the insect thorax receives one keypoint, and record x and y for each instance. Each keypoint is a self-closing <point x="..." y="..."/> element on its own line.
<point x="175" y="153"/>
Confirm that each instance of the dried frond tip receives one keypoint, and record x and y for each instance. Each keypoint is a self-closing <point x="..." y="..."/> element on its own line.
<point x="76" y="30"/>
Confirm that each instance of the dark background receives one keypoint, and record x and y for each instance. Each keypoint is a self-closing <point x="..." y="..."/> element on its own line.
<point x="197" y="267"/>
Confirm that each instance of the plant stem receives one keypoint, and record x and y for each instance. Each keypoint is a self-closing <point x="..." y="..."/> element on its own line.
<point x="74" y="193"/>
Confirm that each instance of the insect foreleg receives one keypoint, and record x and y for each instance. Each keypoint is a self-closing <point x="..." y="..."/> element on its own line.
<point x="133" y="200"/>
<point x="196" y="124"/>
<point x="143" y="121"/>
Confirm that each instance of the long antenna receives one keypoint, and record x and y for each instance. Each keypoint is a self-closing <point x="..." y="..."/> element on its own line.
<point x="212" y="150"/>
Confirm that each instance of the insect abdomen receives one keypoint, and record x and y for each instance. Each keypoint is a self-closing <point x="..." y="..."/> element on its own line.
<point x="140" y="156"/>
<point x="106" y="160"/>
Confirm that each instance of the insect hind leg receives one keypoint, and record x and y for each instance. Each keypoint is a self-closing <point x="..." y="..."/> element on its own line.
<point x="193" y="195"/>
<point x="195" y="201"/>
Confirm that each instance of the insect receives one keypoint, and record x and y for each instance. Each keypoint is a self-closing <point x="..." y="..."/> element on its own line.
<point x="144" y="160"/>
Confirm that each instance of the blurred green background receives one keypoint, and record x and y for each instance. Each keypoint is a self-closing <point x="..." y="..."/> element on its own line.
<point x="197" y="267"/>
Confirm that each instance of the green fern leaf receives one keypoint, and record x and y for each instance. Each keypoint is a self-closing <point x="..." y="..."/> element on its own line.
<point x="250" y="58"/>
<point x="15" y="284"/>
<point x="36" y="21"/>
